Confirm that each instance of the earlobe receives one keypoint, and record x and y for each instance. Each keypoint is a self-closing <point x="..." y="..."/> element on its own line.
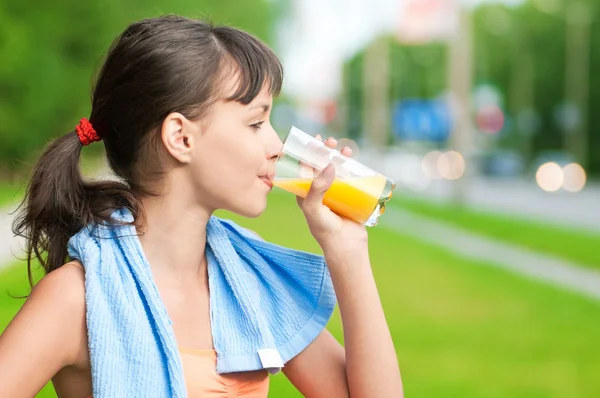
<point x="176" y="136"/>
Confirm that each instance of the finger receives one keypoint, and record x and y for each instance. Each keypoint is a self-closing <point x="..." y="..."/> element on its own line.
<point x="331" y="142"/>
<point x="346" y="151"/>
<point x="319" y="186"/>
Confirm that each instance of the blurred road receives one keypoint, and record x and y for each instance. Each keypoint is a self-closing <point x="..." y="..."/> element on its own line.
<point x="525" y="199"/>
<point x="9" y="245"/>
<point x="520" y="197"/>
<point x="535" y="265"/>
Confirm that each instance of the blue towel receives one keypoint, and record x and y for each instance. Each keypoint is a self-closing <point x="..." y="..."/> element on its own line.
<point x="267" y="302"/>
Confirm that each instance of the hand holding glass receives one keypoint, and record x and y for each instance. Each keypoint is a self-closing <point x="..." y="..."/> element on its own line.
<point x="358" y="192"/>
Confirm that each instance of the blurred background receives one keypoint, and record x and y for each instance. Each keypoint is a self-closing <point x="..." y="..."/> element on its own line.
<point x="483" y="112"/>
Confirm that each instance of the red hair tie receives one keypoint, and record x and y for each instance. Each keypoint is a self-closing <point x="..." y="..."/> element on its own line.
<point x="86" y="132"/>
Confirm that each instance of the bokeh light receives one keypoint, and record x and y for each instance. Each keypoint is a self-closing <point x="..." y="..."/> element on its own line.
<point x="550" y="177"/>
<point x="429" y="164"/>
<point x="574" y="177"/>
<point x="490" y="119"/>
<point x="451" y="165"/>
<point x="342" y="142"/>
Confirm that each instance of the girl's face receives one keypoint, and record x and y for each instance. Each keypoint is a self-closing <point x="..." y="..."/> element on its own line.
<point x="232" y="159"/>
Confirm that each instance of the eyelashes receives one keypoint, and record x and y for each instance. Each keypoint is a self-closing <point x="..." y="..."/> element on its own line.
<point x="257" y="126"/>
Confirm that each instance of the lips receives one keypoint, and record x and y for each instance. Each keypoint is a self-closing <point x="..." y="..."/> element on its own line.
<point x="267" y="181"/>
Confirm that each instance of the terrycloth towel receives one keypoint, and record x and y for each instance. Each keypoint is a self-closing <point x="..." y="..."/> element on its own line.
<point x="268" y="303"/>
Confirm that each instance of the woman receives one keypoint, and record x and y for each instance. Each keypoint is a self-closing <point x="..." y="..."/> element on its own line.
<point x="183" y="110"/>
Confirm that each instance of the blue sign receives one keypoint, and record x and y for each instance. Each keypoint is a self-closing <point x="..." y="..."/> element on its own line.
<point x="421" y="120"/>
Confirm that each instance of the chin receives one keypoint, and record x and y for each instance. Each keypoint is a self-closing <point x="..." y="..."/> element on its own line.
<point x="251" y="208"/>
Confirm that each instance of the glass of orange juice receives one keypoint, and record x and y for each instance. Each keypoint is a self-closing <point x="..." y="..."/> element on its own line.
<point x="358" y="192"/>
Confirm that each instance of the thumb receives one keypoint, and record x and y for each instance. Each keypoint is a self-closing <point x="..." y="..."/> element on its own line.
<point x="319" y="186"/>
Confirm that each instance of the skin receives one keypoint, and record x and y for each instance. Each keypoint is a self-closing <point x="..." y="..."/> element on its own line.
<point x="220" y="161"/>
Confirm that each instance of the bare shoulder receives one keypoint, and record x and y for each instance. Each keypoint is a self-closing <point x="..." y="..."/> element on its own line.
<point x="47" y="334"/>
<point x="65" y="285"/>
<point x="61" y="294"/>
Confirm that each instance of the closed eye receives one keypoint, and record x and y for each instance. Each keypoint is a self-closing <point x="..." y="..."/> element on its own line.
<point x="256" y="126"/>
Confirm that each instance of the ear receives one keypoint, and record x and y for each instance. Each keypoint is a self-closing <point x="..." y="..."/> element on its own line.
<point x="177" y="136"/>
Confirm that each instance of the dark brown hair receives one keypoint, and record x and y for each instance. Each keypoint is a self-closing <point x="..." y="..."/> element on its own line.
<point x="155" y="67"/>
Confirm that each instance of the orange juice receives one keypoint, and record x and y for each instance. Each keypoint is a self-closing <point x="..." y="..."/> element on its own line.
<point x="354" y="198"/>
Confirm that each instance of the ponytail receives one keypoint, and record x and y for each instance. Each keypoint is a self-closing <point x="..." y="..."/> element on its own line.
<point x="58" y="203"/>
<point x="143" y="79"/>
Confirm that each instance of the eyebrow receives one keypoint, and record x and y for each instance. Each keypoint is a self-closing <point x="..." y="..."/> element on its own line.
<point x="265" y="107"/>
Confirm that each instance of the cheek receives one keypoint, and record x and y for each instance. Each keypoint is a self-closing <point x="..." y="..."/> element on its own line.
<point x="229" y="171"/>
<point x="229" y="161"/>
<point x="242" y="156"/>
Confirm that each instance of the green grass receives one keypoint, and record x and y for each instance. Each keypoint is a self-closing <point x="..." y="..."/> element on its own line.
<point x="461" y="328"/>
<point x="579" y="246"/>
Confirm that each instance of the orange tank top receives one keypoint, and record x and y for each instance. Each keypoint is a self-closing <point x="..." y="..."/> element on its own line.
<point x="202" y="379"/>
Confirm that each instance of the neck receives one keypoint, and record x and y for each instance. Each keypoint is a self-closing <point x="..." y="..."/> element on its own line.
<point x="173" y="235"/>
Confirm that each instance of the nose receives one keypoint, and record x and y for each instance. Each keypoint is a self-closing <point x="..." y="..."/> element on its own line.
<point x="274" y="145"/>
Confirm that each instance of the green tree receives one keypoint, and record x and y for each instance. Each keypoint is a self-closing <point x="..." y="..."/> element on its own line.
<point x="51" y="51"/>
<point x="505" y="40"/>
